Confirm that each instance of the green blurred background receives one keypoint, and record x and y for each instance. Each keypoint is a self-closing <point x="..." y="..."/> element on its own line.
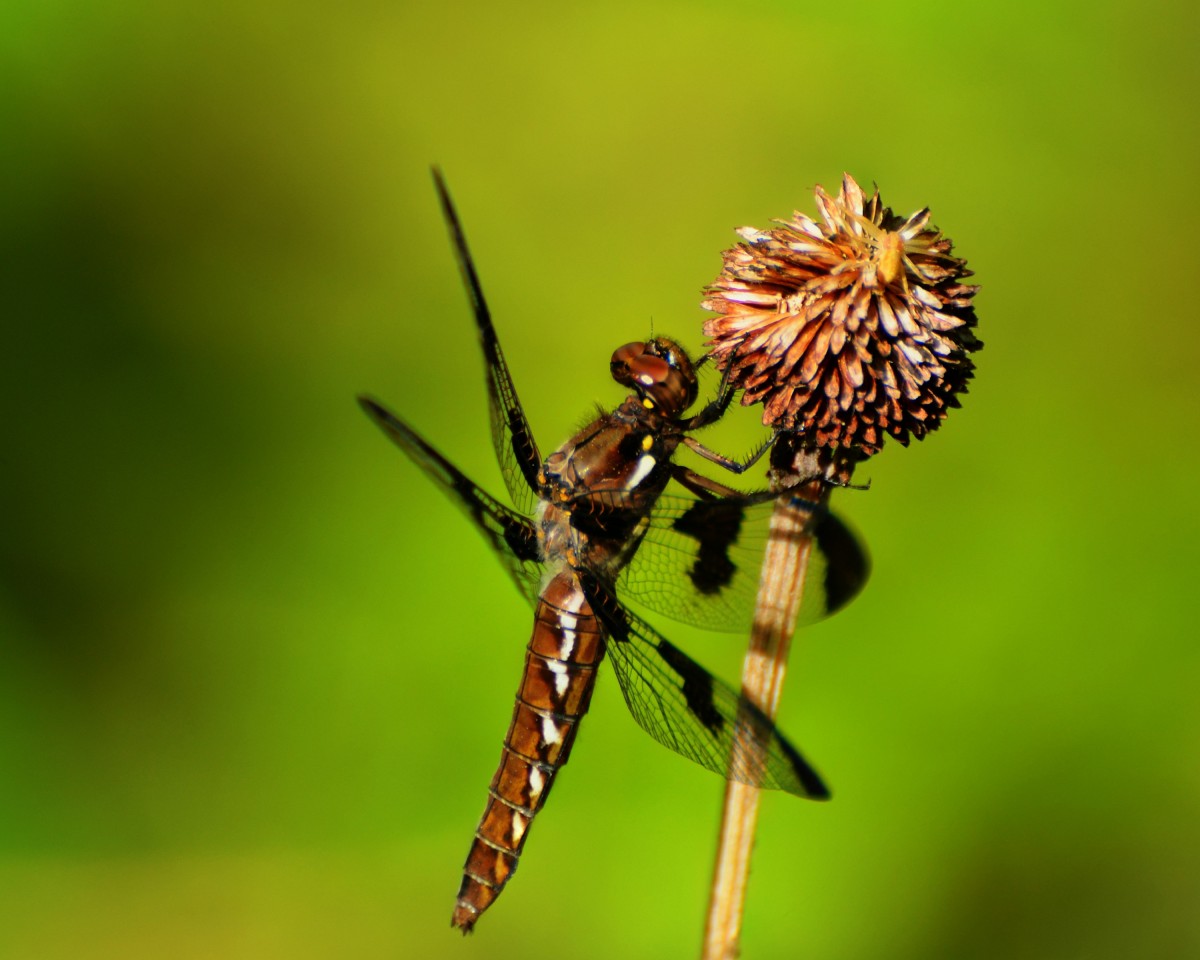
<point x="254" y="670"/>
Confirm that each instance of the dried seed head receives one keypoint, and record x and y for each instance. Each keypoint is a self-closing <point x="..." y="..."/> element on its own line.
<point x="847" y="329"/>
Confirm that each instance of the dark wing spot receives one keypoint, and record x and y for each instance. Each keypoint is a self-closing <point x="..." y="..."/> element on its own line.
<point x="524" y="449"/>
<point x="522" y="541"/>
<point x="846" y="565"/>
<point x="697" y="686"/>
<point x="600" y="518"/>
<point x="715" y="526"/>
<point x="605" y="606"/>
<point x="520" y="538"/>
<point x="468" y="495"/>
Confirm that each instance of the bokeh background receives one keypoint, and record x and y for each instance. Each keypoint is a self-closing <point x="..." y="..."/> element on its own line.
<point x="254" y="670"/>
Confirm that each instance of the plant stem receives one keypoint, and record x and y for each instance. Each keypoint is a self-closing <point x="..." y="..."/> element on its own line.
<point x="780" y="596"/>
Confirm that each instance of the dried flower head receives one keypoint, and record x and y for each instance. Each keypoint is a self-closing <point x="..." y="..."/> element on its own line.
<point x="848" y="329"/>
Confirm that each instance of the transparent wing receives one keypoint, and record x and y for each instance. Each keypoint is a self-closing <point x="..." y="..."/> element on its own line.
<point x="700" y="559"/>
<point x="512" y="439"/>
<point x="512" y="537"/>
<point x="688" y="710"/>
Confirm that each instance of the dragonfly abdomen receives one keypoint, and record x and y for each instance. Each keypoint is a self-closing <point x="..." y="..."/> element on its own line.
<point x="564" y="651"/>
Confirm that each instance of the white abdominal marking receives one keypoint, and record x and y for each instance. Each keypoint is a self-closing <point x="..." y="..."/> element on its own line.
<point x="518" y="827"/>
<point x="550" y="733"/>
<point x="561" y="677"/>
<point x="537" y="783"/>
<point x="568" y="622"/>
<point x="644" y="466"/>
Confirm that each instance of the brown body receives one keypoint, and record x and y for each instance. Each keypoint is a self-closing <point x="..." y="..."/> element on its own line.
<point x="556" y="686"/>
<point x="597" y="488"/>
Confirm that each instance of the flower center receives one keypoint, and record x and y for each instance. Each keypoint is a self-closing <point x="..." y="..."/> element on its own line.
<point x="889" y="257"/>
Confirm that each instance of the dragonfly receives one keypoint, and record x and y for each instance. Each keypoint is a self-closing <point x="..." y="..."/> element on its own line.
<point x="591" y="523"/>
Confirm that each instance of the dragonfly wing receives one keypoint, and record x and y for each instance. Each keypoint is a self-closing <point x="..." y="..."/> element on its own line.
<point x="511" y="536"/>
<point x="516" y="450"/>
<point x="700" y="560"/>
<point x="688" y="710"/>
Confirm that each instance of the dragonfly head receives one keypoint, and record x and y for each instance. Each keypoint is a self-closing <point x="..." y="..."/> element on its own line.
<point x="660" y="371"/>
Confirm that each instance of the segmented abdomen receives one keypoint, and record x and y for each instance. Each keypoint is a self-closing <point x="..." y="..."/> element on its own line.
<point x="556" y="686"/>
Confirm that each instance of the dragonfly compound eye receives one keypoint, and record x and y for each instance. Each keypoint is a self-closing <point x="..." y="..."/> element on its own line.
<point x="660" y="371"/>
